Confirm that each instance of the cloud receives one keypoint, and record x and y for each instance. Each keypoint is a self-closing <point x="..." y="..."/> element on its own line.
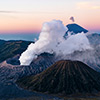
<point x="96" y="7"/>
<point x="4" y="11"/>
<point x="88" y="5"/>
<point x="51" y="41"/>
<point x="28" y="12"/>
<point x="51" y="35"/>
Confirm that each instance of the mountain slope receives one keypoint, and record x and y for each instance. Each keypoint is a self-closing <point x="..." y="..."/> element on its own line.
<point x="9" y="49"/>
<point x="10" y="73"/>
<point x="74" y="29"/>
<point x="64" y="77"/>
<point x="2" y="42"/>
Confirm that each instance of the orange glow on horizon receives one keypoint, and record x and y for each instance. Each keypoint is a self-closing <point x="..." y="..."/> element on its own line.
<point x="33" y="23"/>
<point x="22" y="16"/>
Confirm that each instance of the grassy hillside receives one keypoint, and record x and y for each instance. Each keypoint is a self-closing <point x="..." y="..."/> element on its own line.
<point x="9" y="49"/>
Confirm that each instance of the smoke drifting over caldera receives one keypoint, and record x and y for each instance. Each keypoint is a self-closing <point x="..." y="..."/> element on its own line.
<point x="51" y="40"/>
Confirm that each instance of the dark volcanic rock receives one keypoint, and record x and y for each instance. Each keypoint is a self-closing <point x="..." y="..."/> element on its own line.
<point x="64" y="77"/>
<point x="43" y="61"/>
<point x="10" y="73"/>
<point x="14" y="60"/>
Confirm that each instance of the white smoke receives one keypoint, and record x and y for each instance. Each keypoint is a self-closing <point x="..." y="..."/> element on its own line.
<point x="51" y="40"/>
<point x="52" y="33"/>
<point x="76" y="42"/>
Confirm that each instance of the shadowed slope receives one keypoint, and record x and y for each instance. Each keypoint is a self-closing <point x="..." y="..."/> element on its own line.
<point x="76" y="28"/>
<point x="65" y="77"/>
<point x="9" y="49"/>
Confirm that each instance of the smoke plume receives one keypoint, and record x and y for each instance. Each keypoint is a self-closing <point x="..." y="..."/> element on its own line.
<point x="72" y="19"/>
<point x="51" y="41"/>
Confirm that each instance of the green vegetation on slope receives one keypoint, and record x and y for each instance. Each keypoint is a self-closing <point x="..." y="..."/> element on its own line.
<point x="11" y="48"/>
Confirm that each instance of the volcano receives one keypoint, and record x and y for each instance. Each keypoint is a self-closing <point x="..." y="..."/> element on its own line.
<point x="74" y="29"/>
<point x="64" y="77"/>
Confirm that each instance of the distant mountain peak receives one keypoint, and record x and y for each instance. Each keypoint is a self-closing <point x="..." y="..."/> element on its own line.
<point x="75" y="28"/>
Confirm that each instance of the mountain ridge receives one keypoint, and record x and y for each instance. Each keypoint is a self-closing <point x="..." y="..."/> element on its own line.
<point x="9" y="49"/>
<point x="64" y="77"/>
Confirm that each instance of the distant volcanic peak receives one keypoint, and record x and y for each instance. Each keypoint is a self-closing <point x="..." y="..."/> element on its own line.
<point x="76" y="28"/>
<point x="45" y="54"/>
<point x="65" y="77"/>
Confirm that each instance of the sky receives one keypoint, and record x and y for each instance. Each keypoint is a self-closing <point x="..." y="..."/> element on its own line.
<point x="27" y="16"/>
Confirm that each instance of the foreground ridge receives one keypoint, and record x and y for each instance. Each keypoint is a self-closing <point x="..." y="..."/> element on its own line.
<point x="64" y="77"/>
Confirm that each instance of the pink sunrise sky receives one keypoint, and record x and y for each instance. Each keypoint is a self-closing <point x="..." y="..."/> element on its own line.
<point x="27" y="16"/>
